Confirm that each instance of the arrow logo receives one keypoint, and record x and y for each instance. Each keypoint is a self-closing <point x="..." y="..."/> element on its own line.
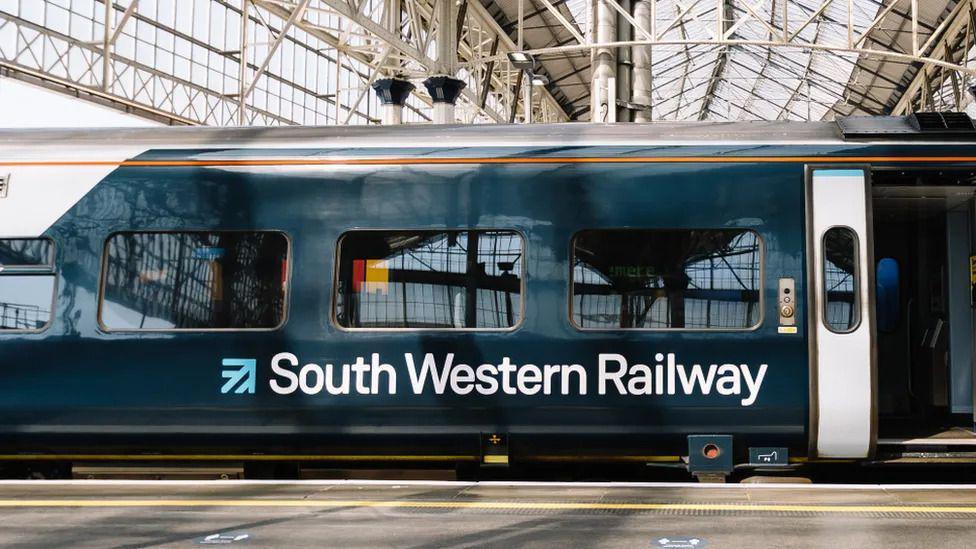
<point x="240" y="373"/>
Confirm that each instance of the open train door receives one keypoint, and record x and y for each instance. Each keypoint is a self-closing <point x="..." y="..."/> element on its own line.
<point x="842" y="377"/>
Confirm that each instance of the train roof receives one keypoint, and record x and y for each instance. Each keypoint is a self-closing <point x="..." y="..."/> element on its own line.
<point x="495" y="135"/>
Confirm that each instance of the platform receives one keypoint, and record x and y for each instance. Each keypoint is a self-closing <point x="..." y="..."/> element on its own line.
<point x="460" y="514"/>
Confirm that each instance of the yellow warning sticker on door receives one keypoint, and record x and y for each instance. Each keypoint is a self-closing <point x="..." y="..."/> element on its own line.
<point x="788" y="329"/>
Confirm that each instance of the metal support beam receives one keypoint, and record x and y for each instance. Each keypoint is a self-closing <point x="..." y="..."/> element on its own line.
<point x="726" y="10"/>
<point x="643" y="70"/>
<point x="296" y="16"/>
<point x="954" y="33"/>
<point x="126" y="15"/>
<point x="242" y="71"/>
<point x="563" y="21"/>
<point x="369" y="82"/>
<point x="107" y="45"/>
<point x="515" y="93"/>
<point x="446" y="37"/>
<point x="486" y="77"/>
<point x="625" y="65"/>
<point x="603" y="92"/>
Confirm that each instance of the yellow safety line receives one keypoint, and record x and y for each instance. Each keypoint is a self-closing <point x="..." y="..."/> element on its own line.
<point x="490" y="505"/>
<point x="310" y="457"/>
<point x="353" y="457"/>
<point x="361" y="457"/>
<point x="572" y="458"/>
<point x="230" y="457"/>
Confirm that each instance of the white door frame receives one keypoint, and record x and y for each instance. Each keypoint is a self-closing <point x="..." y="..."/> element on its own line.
<point x="843" y="373"/>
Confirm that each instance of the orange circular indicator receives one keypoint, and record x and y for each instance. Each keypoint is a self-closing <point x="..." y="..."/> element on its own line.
<point x="711" y="451"/>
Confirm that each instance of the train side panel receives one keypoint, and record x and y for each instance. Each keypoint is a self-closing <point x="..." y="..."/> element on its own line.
<point x="77" y="386"/>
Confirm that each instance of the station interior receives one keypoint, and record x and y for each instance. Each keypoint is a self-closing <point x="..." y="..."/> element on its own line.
<point x="923" y="223"/>
<point x="178" y="128"/>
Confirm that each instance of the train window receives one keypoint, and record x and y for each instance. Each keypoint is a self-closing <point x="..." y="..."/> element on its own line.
<point x="703" y="279"/>
<point x="429" y="279"/>
<point x="16" y="253"/>
<point x="841" y="310"/>
<point x="194" y="280"/>
<point x="27" y="283"/>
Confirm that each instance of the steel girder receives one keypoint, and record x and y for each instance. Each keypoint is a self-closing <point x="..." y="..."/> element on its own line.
<point x="305" y="61"/>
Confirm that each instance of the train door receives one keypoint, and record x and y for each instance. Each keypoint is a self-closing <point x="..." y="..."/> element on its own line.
<point x="924" y="246"/>
<point x="842" y="370"/>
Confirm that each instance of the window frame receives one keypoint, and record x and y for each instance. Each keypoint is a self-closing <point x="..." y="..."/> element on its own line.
<point x="857" y="280"/>
<point x="36" y="270"/>
<point x="761" y="290"/>
<point x="334" y="306"/>
<point x="103" y="278"/>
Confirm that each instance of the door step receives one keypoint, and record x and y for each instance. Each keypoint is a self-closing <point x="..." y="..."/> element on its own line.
<point x="955" y="446"/>
<point x="927" y="442"/>
<point x="947" y="458"/>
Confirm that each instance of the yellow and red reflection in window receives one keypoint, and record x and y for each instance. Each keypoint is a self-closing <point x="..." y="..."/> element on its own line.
<point x="370" y="276"/>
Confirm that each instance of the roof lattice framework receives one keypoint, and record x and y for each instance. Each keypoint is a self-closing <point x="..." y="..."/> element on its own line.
<point x="313" y="61"/>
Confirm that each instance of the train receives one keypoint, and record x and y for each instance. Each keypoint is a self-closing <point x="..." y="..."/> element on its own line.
<point x="706" y="295"/>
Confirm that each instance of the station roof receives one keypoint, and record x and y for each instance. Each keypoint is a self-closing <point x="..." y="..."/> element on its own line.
<point x="313" y="62"/>
<point x="705" y="81"/>
<point x="876" y="85"/>
<point x="569" y="75"/>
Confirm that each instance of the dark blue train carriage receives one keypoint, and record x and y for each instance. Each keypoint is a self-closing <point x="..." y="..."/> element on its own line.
<point x="726" y="294"/>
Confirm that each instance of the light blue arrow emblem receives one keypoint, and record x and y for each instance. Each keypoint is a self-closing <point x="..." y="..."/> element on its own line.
<point x="240" y="373"/>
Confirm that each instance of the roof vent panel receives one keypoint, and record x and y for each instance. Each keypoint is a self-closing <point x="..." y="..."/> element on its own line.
<point x="922" y="125"/>
<point x="939" y="122"/>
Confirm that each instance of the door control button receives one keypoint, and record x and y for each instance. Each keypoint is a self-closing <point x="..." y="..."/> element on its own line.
<point x="786" y="304"/>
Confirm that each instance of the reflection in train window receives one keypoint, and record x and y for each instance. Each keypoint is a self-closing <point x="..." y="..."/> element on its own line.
<point x="667" y="279"/>
<point x="26" y="252"/>
<point x="841" y="310"/>
<point x="194" y="281"/>
<point x="27" y="282"/>
<point x="429" y="279"/>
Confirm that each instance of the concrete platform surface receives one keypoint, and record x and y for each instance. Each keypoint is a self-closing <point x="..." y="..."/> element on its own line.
<point x="489" y="514"/>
